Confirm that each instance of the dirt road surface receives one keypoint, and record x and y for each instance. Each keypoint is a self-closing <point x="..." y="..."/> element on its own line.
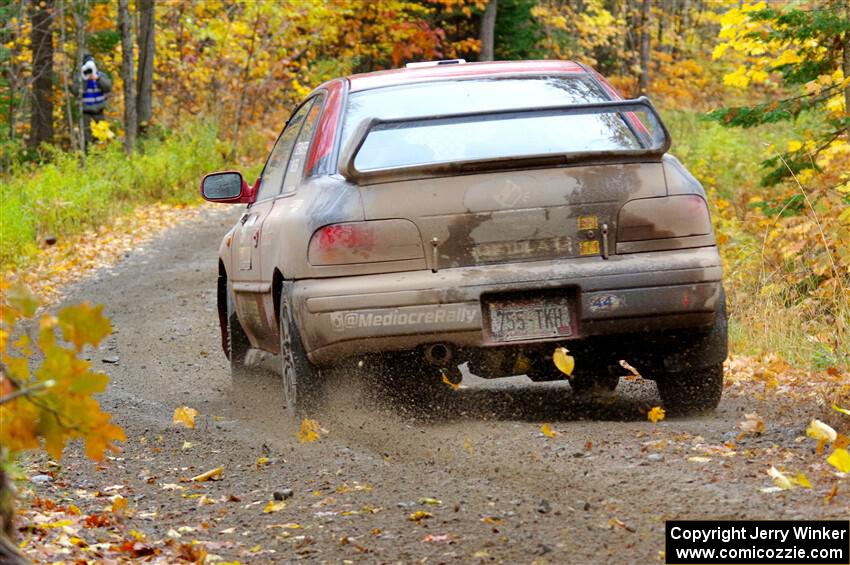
<point x="495" y="489"/>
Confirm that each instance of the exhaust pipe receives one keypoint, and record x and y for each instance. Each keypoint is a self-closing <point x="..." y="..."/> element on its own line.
<point x="438" y="354"/>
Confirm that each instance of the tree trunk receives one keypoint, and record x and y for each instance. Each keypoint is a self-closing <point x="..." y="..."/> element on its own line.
<point x="847" y="68"/>
<point x="41" y="38"/>
<point x="69" y="114"/>
<point x="147" y="47"/>
<point x="81" y="10"/>
<point x="13" y="71"/>
<point x="126" y="27"/>
<point x="645" y="35"/>
<point x="9" y="554"/>
<point x="488" y="32"/>
<point x="244" y="84"/>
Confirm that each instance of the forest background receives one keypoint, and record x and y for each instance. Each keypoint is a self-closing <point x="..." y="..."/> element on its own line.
<point x="755" y="96"/>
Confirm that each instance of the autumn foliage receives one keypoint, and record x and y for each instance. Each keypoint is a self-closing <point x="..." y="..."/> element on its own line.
<point x="46" y="388"/>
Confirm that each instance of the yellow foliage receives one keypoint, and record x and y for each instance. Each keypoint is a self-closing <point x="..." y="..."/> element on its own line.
<point x="309" y="431"/>
<point x="840" y="459"/>
<point x="101" y="131"/>
<point x="52" y="399"/>
<point x="185" y="416"/>
<point x="656" y="414"/>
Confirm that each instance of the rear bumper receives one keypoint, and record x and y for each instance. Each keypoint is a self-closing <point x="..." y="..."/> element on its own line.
<point x="642" y="292"/>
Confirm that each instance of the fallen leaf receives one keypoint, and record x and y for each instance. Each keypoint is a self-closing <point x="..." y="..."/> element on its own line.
<point x="491" y="520"/>
<point x="828" y="498"/>
<point x="420" y="515"/>
<point x="821" y="432"/>
<point x="211" y="475"/>
<point x="431" y="501"/>
<point x="192" y="552"/>
<point x="837" y="408"/>
<point x="656" y="414"/>
<point x="634" y="372"/>
<point x="449" y="383"/>
<point x="467" y="445"/>
<point x="698" y="459"/>
<point x="187" y="445"/>
<point x="547" y="430"/>
<point x="437" y="538"/>
<point x="780" y="479"/>
<point x="802" y="480"/>
<point x="616" y="522"/>
<point x="274" y="506"/>
<point x="770" y="490"/>
<point x="840" y="459"/>
<point x="185" y="416"/>
<point x="262" y="462"/>
<point x="752" y="424"/>
<point x="309" y="431"/>
<point x="564" y="361"/>
<point x="119" y="505"/>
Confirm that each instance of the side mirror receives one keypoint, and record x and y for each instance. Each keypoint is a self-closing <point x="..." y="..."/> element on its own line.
<point x="226" y="187"/>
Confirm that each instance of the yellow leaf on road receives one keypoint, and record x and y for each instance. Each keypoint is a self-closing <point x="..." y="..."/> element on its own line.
<point x="119" y="505"/>
<point x="184" y="415"/>
<point x="780" y="479"/>
<point x="564" y="361"/>
<point x="656" y="414"/>
<point x="802" y="480"/>
<point x="838" y="408"/>
<point x="467" y="445"/>
<point x="547" y="430"/>
<point x="840" y="459"/>
<point x="309" y="431"/>
<point x="821" y="432"/>
<point x="211" y="475"/>
<point x="752" y="424"/>
<point x="419" y="515"/>
<point x="273" y="506"/>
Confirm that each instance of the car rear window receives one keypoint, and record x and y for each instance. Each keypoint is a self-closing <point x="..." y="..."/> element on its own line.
<point x="499" y="135"/>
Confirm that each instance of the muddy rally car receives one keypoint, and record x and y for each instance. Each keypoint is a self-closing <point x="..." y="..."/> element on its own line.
<point x="481" y="213"/>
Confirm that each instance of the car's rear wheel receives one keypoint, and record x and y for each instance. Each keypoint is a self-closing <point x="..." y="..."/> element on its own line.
<point x="693" y="391"/>
<point x="302" y="381"/>
<point x="238" y="345"/>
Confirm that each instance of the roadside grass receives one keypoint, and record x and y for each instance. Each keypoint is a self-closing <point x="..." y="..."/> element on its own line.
<point x="62" y="199"/>
<point x="806" y="332"/>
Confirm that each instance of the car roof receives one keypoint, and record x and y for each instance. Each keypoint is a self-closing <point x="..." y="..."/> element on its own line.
<point x="394" y="77"/>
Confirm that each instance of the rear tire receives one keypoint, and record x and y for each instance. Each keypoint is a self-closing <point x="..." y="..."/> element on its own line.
<point x="302" y="381"/>
<point x="691" y="392"/>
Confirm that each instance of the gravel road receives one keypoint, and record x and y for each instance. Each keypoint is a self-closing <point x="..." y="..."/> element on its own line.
<point x="495" y="489"/>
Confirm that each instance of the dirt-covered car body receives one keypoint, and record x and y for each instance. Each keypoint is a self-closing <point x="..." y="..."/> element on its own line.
<point x="474" y="212"/>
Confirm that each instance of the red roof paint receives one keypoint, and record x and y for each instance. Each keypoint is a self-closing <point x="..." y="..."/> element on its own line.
<point x="422" y="74"/>
<point x="323" y="142"/>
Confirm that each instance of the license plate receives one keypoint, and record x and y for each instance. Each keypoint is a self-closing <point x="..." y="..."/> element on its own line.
<point x="532" y="318"/>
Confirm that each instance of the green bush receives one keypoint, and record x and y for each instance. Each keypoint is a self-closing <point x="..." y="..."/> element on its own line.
<point x="62" y="198"/>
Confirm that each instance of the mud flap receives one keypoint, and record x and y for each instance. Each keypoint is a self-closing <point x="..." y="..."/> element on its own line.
<point x="221" y="300"/>
<point x="701" y="349"/>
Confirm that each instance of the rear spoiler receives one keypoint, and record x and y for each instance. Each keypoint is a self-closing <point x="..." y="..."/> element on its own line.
<point x="657" y="140"/>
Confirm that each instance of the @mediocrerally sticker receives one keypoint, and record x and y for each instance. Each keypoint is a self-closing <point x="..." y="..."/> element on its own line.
<point x="341" y="321"/>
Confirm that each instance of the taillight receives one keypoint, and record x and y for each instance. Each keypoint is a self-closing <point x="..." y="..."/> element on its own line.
<point x="365" y="242"/>
<point x="670" y="222"/>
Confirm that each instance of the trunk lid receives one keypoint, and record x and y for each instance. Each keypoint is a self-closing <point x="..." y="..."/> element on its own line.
<point x="515" y="216"/>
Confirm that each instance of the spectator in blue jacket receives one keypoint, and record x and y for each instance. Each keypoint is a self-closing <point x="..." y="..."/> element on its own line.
<point x="94" y="86"/>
